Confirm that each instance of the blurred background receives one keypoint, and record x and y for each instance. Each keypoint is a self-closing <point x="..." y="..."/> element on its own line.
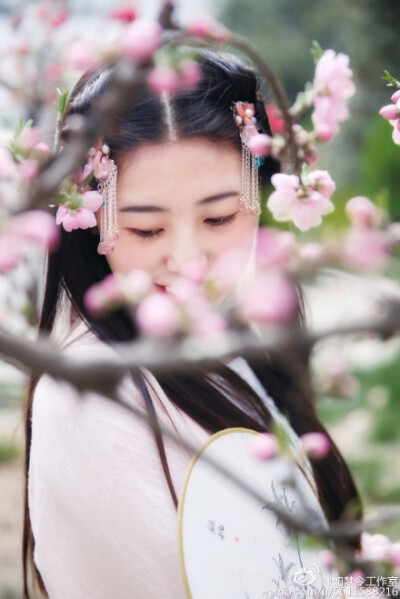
<point x="361" y="159"/>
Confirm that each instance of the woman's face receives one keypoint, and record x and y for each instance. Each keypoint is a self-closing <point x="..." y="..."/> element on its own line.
<point x="178" y="203"/>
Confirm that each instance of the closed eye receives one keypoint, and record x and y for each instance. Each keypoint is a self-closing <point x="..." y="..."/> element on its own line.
<point x="147" y="234"/>
<point x="223" y="220"/>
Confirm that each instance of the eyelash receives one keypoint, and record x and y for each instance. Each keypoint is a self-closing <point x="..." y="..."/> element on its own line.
<point x="212" y="222"/>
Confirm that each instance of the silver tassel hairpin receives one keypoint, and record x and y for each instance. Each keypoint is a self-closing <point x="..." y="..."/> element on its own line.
<point x="107" y="186"/>
<point x="245" y="120"/>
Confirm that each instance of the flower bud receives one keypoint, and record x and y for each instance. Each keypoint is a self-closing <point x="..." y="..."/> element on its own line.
<point x="259" y="144"/>
<point x="140" y="40"/>
<point x="316" y="445"/>
<point x="264" y="446"/>
<point x="390" y="112"/>
<point x="163" y="79"/>
<point x="158" y="315"/>
<point x="361" y="211"/>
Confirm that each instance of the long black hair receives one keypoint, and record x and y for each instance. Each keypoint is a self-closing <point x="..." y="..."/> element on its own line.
<point x="203" y="112"/>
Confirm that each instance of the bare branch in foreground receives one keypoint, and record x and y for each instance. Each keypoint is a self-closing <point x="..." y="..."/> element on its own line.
<point x="103" y="376"/>
<point x="160" y="355"/>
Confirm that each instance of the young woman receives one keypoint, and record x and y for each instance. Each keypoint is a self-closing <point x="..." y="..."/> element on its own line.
<point x="102" y="487"/>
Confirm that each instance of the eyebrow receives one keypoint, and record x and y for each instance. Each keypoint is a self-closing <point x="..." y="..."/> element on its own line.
<point x="152" y="208"/>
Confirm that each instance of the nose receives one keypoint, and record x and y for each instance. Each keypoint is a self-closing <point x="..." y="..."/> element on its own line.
<point x="184" y="252"/>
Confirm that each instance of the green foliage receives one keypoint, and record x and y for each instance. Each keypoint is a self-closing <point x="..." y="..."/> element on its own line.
<point x="7" y="593"/>
<point x="379" y="166"/>
<point x="17" y="152"/>
<point x="281" y="435"/>
<point x="376" y="480"/>
<point x="385" y="428"/>
<point x="316" y="51"/>
<point x="8" y="452"/>
<point x="174" y="55"/>
<point x="10" y="394"/>
<point x="390" y="80"/>
<point x="376" y="473"/>
<point x="61" y="101"/>
<point x="308" y="543"/>
<point x="332" y="410"/>
<point x="386" y="417"/>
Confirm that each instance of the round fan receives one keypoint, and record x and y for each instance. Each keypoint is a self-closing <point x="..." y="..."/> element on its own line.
<point x="232" y="545"/>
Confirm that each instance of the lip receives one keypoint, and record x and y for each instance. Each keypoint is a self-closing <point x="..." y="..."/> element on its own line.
<point x="162" y="288"/>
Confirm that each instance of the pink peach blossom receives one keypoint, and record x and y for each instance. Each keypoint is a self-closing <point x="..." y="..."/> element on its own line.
<point x="58" y="19"/>
<point x="52" y="72"/>
<point x="282" y="201"/>
<point x="29" y="137"/>
<point x="228" y="267"/>
<point x="189" y="73"/>
<point x="332" y="87"/>
<point x="92" y="200"/>
<point x="395" y="96"/>
<point x="305" y="205"/>
<point x="365" y="248"/>
<point x="85" y="172"/>
<point x="82" y="217"/>
<point x="275" y="119"/>
<point x="324" y="119"/>
<point x="259" y="144"/>
<point x="41" y="148"/>
<point x="270" y="298"/>
<point x="205" y="26"/>
<point x="111" y="287"/>
<point x="141" y="39"/>
<point x="274" y="247"/>
<point x="158" y="315"/>
<point x="264" y="446"/>
<point x="309" y="211"/>
<point x="75" y="219"/>
<point x="102" y="295"/>
<point x="34" y="226"/>
<point x="396" y="133"/>
<point x="210" y="325"/>
<point x="126" y="14"/>
<point x="95" y="300"/>
<point x="163" y="79"/>
<point x="333" y="75"/>
<point x="391" y="112"/>
<point x="96" y="165"/>
<point x="361" y="212"/>
<point x="28" y="169"/>
<point x="82" y="55"/>
<point x="321" y="181"/>
<point x="316" y="445"/>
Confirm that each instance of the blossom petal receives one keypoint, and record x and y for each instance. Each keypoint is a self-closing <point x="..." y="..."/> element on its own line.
<point x="85" y="218"/>
<point x="282" y="182"/>
<point x="92" y="200"/>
